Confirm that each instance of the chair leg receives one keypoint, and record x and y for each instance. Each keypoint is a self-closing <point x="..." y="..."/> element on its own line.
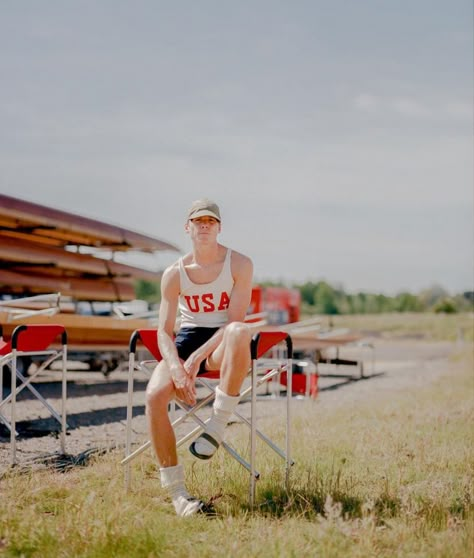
<point x="27" y="383"/>
<point x="13" y="410"/>
<point x="253" y="432"/>
<point x="260" y="381"/>
<point x="37" y="394"/>
<point x="3" y="418"/>
<point x="63" y="400"/>
<point x="130" y="456"/>
<point x="204" y="382"/>
<point x="128" y="442"/>
<point x="201" y="426"/>
<point x="289" y="396"/>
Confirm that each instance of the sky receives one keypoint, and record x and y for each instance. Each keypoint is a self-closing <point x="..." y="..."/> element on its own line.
<point x="336" y="137"/>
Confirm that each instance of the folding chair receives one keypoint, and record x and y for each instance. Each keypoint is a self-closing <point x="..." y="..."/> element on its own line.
<point x="260" y="344"/>
<point x="32" y="340"/>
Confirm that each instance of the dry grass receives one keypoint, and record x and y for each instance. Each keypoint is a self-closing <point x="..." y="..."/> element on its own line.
<point x="426" y="325"/>
<point x="392" y="477"/>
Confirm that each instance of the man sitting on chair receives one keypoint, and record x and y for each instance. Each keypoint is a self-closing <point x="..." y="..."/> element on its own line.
<point x="211" y="287"/>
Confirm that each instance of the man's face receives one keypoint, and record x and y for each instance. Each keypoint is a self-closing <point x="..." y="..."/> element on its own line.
<point x="203" y="229"/>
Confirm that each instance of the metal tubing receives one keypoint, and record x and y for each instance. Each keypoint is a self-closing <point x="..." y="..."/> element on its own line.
<point x="38" y="395"/>
<point x="26" y="382"/>
<point x="253" y="429"/>
<point x="6" y="423"/>
<point x="13" y="410"/>
<point x="135" y="453"/>
<point x="178" y="421"/>
<point x="226" y="446"/>
<point x="128" y="442"/>
<point x="289" y="397"/>
<point x="262" y="436"/>
<point x="189" y="436"/>
<point x="130" y="456"/>
<point x="64" y="398"/>
<point x="2" y="418"/>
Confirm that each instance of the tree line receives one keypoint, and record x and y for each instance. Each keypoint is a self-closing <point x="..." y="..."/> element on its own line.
<point x="321" y="297"/>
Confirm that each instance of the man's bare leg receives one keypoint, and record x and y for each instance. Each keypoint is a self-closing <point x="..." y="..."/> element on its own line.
<point x="160" y="391"/>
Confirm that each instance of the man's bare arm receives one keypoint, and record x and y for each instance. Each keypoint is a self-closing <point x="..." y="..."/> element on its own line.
<point x="166" y="323"/>
<point x="242" y="291"/>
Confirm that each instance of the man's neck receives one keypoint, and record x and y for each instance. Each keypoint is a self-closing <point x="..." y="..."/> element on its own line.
<point x="206" y="255"/>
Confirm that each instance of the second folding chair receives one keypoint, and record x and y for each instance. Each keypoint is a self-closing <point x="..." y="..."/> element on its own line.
<point x="33" y="340"/>
<point x="261" y="372"/>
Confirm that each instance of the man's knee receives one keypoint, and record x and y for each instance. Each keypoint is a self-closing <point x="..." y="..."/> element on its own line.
<point x="158" y="392"/>
<point x="239" y="333"/>
<point x="155" y="398"/>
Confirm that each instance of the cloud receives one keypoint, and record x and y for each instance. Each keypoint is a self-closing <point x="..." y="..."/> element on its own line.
<point x="408" y="107"/>
<point x="459" y="110"/>
<point x="382" y="105"/>
<point x="366" y="102"/>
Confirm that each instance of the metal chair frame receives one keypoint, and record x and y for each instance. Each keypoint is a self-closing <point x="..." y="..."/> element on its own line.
<point x="262" y="370"/>
<point x="32" y="340"/>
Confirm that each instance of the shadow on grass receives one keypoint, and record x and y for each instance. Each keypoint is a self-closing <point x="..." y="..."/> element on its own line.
<point x="61" y="462"/>
<point x="346" y="380"/>
<point x="310" y="503"/>
<point x="51" y="389"/>
<point x="39" y="427"/>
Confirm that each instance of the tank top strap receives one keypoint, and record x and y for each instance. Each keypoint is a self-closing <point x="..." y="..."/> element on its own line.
<point x="227" y="267"/>
<point x="183" y="276"/>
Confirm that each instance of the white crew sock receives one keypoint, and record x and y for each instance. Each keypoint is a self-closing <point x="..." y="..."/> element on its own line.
<point x="172" y="479"/>
<point x="224" y="406"/>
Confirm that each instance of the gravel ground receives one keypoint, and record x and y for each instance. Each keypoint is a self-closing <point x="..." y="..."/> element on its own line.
<point x="96" y="405"/>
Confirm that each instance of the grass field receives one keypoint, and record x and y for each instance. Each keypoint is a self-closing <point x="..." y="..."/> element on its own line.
<point x="424" y="325"/>
<point x="393" y="477"/>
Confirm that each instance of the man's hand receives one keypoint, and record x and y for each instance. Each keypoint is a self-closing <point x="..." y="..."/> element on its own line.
<point x="192" y="364"/>
<point x="184" y="385"/>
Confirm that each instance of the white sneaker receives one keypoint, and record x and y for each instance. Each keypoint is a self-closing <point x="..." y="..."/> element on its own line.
<point x="187" y="506"/>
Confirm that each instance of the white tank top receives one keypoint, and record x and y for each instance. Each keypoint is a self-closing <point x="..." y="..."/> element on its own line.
<point x="205" y="305"/>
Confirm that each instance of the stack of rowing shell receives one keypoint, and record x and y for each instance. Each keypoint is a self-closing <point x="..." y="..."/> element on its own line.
<point x="44" y="250"/>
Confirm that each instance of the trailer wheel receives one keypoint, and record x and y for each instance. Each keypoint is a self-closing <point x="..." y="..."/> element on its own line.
<point x="109" y="366"/>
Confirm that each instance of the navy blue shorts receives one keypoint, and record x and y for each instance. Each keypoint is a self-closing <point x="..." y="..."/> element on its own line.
<point x="188" y="339"/>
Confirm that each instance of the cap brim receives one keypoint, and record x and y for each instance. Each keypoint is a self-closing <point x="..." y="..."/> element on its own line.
<point x="204" y="213"/>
